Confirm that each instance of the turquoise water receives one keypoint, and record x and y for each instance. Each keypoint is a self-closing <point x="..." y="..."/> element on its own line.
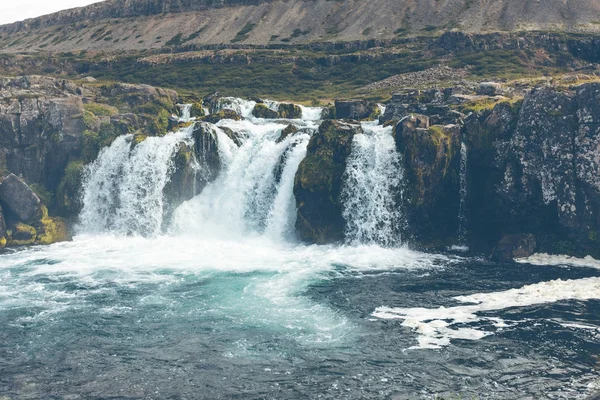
<point x="186" y="318"/>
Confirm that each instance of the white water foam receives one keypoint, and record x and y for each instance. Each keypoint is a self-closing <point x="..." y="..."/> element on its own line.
<point x="372" y="185"/>
<point x="560" y="260"/>
<point x="437" y="326"/>
<point x="253" y="279"/>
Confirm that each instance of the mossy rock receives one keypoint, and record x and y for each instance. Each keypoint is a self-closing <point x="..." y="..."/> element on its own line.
<point x="289" y="111"/>
<point x="53" y="230"/>
<point x="3" y="242"/>
<point x="223" y="114"/>
<point x="197" y="110"/>
<point x="262" y="111"/>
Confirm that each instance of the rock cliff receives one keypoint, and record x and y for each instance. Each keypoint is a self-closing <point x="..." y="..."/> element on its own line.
<point x="532" y="163"/>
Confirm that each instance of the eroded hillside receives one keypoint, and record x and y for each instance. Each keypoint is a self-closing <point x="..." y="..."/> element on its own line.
<point x="152" y="24"/>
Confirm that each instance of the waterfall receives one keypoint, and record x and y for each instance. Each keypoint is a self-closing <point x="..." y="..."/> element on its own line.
<point x="123" y="188"/>
<point x="248" y="196"/>
<point x="372" y="189"/>
<point x="282" y="217"/>
<point x="311" y="113"/>
<point x="186" y="110"/>
<point x="462" y="216"/>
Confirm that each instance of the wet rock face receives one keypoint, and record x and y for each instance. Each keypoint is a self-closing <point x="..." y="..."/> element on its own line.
<point x="19" y="199"/>
<point x="431" y="155"/>
<point x="318" y="183"/>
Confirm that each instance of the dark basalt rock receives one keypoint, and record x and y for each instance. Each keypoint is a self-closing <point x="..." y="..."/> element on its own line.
<point x="19" y="199"/>
<point x="515" y="246"/>
<point x="262" y="111"/>
<point x="355" y="109"/>
<point x="318" y="183"/>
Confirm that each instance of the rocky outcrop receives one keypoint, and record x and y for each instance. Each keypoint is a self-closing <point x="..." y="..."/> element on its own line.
<point x="318" y="183"/>
<point x="222" y="114"/>
<point x="206" y="149"/>
<point x="356" y="109"/>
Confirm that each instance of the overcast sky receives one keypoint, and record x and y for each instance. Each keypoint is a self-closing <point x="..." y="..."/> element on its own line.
<point x="18" y="10"/>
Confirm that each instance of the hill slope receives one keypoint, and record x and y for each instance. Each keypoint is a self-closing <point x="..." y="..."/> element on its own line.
<point x="153" y="24"/>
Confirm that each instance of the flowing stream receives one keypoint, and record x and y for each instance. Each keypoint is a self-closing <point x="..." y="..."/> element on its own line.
<point x="220" y="301"/>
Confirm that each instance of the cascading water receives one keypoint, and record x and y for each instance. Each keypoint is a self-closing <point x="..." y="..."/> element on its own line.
<point x="247" y="197"/>
<point x="462" y="216"/>
<point x="123" y="188"/>
<point x="185" y="110"/>
<point x="372" y="189"/>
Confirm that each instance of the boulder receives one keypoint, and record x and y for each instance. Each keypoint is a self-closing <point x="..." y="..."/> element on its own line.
<point x="515" y="246"/>
<point x="262" y="111"/>
<point x="289" y="111"/>
<point x="356" y="109"/>
<point x="318" y="183"/>
<point x="19" y="199"/>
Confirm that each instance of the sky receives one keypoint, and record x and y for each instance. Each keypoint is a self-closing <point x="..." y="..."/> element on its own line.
<point x="18" y="10"/>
